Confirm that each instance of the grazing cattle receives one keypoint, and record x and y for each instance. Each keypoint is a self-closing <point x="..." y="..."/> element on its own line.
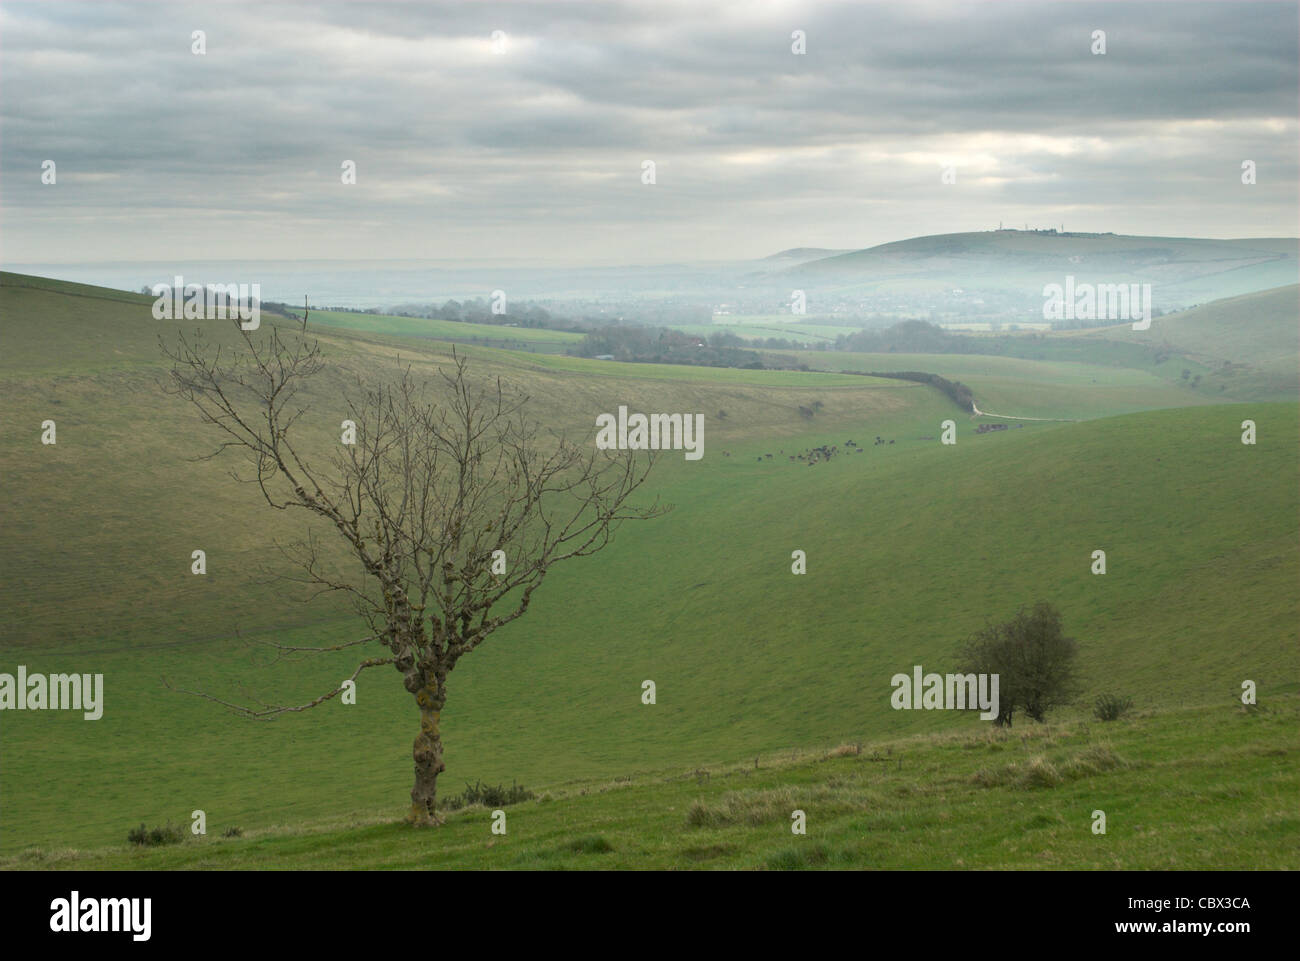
<point x="891" y="441"/>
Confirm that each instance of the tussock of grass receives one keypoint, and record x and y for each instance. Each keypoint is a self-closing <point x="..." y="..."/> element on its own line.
<point x="591" y="844"/>
<point x="799" y="858"/>
<point x="1094" y="759"/>
<point x="755" y="807"/>
<point x="1040" y="772"/>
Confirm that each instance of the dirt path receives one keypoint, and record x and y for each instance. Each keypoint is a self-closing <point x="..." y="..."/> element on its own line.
<point x="984" y="413"/>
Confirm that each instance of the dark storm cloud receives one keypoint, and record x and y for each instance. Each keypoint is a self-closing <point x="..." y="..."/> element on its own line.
<point x="537" y="152"/>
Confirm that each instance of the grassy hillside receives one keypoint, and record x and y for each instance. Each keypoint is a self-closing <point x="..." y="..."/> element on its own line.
<point x="910" y="547"/>
<point x="1204" y="787"/>
<point x="118" y="504"/>
<point x="1014" y="386"/>
<point x="1248" y="347"/>
<point x="494" y="335"/>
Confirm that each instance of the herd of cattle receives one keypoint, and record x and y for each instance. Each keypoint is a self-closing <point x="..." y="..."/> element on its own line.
<point x="819" y="455"/>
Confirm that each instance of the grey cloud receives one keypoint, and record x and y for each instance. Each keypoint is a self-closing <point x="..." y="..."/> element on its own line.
<point x="462" y="153"/>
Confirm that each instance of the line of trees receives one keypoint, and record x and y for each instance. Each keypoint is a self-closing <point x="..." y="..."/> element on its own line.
<point x="961" y="394"/>
<point x="660" y="345"/>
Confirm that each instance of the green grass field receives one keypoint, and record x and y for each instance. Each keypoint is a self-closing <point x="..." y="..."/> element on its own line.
<point x="761" y="327"/>
<point x="910" y="547"/>
<point x="1209" y="787"/>
<point x="434" y="329"/>
<point x="1247" y="347"/>
<point x="1016" y="387"/>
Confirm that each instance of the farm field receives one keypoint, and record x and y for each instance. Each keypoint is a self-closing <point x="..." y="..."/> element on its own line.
<point x="420" y="327"/>
<point x="760" y="328"/>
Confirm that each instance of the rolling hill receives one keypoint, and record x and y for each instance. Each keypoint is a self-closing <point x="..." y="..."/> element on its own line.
<point x="1183" y="271"/>
<point x="1247" y="347"/>
<point x="911" y="546"/>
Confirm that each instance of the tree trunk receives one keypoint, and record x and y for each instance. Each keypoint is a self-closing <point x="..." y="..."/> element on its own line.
<point x="428" y="754"/>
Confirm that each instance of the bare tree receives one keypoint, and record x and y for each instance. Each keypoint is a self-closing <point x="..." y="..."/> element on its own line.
<point x="449" y="515"/>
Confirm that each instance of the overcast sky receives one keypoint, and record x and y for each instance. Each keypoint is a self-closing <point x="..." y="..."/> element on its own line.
<point x="535" y="153"/>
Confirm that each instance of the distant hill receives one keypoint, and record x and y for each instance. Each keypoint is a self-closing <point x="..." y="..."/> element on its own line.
<point x="1183" y="271"/>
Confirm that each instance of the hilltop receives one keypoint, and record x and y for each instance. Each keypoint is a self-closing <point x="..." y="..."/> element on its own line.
<point x="1183" y="271"/>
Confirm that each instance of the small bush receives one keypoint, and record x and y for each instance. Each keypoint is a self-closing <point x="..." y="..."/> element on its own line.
<point x="1111" y="707"/>
<point x="489" y="796"/>
<point x="155" y="837"/>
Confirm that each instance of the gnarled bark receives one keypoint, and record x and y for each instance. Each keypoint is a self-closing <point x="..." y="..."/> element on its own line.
<point x="427" y="753"/>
